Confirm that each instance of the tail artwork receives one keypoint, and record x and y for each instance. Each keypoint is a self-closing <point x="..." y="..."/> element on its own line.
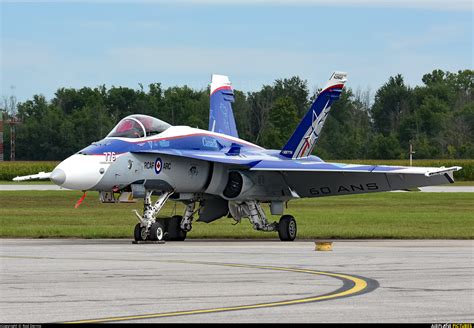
<point x="304" y="138"/>
<point x="221" y="117"/>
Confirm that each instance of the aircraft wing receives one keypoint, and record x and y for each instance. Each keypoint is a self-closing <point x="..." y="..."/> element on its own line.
<point x="313" y="179"/>
<point x="308" y="178"/>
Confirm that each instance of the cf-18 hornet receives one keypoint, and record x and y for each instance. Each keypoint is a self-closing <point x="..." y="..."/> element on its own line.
<point x="216" y="174"/>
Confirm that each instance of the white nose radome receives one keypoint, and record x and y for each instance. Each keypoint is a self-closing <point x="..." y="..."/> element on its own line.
<point x="79" y="172"/>
<point x="58" y="176"/>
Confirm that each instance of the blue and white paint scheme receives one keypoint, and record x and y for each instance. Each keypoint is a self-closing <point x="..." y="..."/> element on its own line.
<point x="221" y="174"/>
<point x="304" y="138"/>
<point x="221" y="117"/>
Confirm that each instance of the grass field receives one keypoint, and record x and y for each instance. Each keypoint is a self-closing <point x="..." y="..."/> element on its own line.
<point x="413" y="215"/>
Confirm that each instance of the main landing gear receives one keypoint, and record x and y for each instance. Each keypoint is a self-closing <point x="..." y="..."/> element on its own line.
<point x="286" y="227"/>
<point x="150" y="228"/>
<point x="176" y="227"/>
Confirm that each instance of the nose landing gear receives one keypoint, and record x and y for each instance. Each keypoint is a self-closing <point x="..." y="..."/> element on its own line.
<point x="149" y="228"/>
<point x="157" y="232"/>
<point x="152" y="229"/>
<point x="140" y="233"/>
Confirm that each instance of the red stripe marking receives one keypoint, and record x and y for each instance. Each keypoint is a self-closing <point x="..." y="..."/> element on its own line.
<point x="224" y="87"/>
<point x="303" y="150"/>
<point x="306" y="146"/>
<point x="337" y="86"/>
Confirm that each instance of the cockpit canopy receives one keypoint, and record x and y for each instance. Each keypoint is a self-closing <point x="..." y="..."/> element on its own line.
<point x="138" y="126"/>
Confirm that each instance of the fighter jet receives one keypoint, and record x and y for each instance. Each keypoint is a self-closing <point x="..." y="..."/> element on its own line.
<point x="216" y="174"/>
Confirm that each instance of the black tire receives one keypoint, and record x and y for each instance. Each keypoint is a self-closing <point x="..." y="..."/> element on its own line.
<point x="164" y="222"/>
<point x="157" y="232"/>
<point x="174" y="229"/>
<point x="287" y="228"/>
<point x="137" y="233"/>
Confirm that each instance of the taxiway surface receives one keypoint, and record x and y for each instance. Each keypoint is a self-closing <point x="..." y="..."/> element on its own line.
<point x="236" y="281"/>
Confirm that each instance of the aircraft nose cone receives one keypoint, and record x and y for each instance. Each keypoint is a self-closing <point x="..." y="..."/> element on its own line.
<point x="58" y="176"/>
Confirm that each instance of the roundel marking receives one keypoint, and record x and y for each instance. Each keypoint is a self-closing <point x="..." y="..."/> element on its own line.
<point x="158" y="165"/>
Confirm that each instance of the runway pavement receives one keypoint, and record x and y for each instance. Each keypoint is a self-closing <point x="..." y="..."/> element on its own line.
<point x="236" y="281"/>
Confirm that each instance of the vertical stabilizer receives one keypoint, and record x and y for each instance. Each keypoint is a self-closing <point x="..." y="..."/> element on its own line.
<point x="304" y="138"/>
<point x="221" y="117"/>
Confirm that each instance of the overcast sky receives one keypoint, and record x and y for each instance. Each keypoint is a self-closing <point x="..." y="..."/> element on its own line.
<point x="47" y="45"/>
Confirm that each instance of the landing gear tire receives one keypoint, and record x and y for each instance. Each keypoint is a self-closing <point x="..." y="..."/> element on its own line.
<point x="157" y="232"/>
<point x="174" y="229"/>
<point x="139" y="233"/>
<point x="287" y="228"/>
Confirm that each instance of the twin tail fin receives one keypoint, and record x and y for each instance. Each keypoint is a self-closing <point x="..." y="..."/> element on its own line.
<point x="304" y="138"/>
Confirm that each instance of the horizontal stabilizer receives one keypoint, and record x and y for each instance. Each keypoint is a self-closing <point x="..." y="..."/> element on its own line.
<point x="442" y="170"/>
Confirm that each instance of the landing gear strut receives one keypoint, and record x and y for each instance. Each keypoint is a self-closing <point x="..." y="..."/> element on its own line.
<point x="187" y="219"/>
<point x="286" y="227"/>
<point x="150" y="228"/>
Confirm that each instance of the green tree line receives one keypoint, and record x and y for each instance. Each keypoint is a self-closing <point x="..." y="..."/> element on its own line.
<point x="437" y="118"/>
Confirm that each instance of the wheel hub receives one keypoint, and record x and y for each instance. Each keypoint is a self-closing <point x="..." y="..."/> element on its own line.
<point x="159" y="233"/>
<point x="292" y="228"/>
<point x="143" y="234"/>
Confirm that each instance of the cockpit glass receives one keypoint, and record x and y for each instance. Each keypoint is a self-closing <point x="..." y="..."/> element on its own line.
<point x="152" y="125"/>
<point x="138" y="126"/>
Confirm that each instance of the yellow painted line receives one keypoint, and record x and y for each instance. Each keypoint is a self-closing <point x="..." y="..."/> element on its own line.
<point x="359" y="285"/>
